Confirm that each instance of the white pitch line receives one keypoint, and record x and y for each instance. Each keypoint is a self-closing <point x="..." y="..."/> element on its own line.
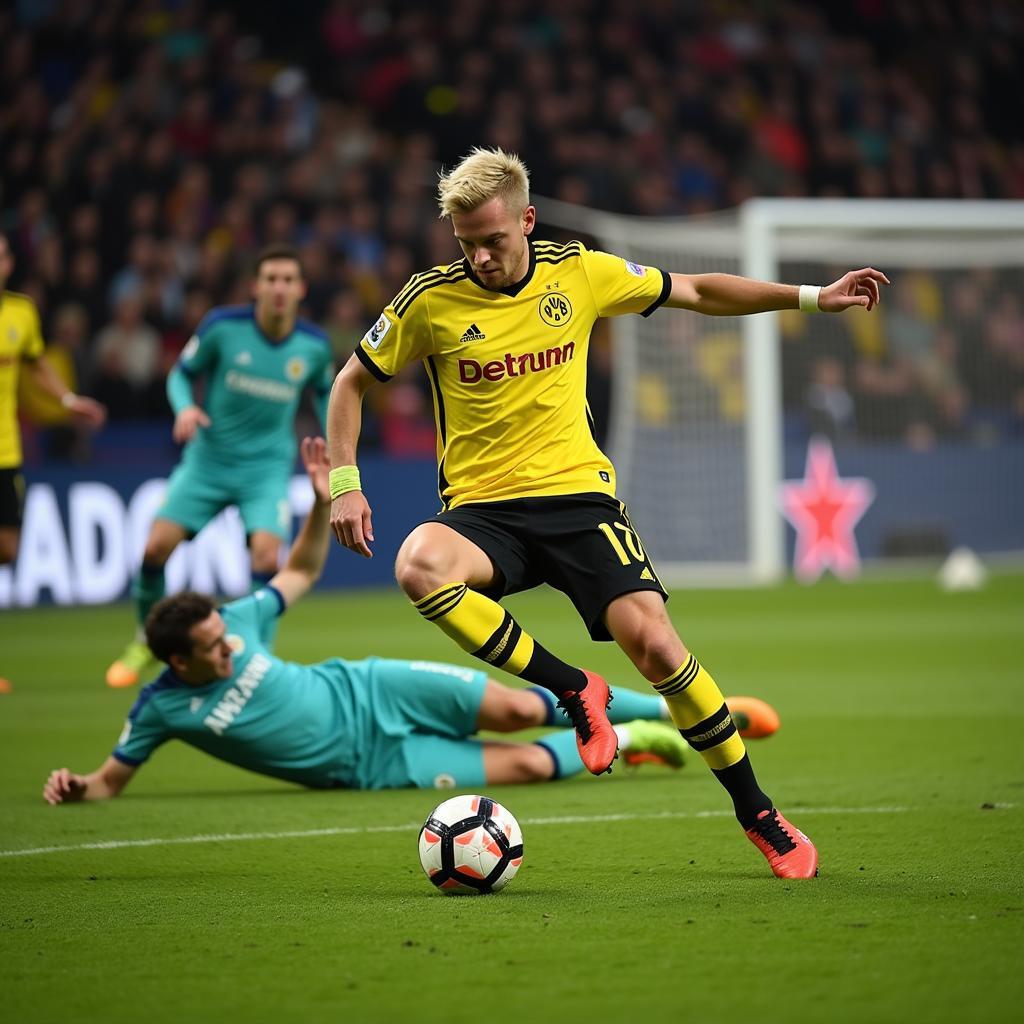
<point x="357" y="830"/>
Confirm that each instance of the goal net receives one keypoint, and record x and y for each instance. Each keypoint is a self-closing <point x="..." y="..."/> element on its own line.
<point x="924" y="396"/>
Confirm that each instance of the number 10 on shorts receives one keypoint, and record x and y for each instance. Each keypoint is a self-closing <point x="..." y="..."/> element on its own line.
<point x="632" y="546"/>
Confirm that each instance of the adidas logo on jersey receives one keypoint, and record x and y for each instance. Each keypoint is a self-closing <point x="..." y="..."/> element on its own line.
<point x="243" y="358"/>
<point x="473" y="334"/>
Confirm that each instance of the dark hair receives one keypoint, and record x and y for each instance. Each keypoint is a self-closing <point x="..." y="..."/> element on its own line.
<point x="170" y="620"/>
<point x="277" y="251"/>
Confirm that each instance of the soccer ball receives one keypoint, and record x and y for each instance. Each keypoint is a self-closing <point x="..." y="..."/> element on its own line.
<point x="470" y="844"/>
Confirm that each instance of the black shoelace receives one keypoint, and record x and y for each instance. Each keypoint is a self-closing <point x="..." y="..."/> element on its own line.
<point x="769" y="829"/>
<point x="573" y="709"/>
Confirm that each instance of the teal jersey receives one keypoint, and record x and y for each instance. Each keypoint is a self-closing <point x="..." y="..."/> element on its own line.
<point x="253" y="385"/>
<point x="294" y="722"/>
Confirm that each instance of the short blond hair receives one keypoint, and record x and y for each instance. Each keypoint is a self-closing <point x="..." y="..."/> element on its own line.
<point x="480" y="177"/>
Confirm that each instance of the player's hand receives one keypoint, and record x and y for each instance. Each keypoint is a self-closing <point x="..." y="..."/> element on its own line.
<point x="63" y="787"/>
<point x="314" y="457"/>
<point x="187" y="422"/>
<point x="352" y="522"/>
<point x="855" y="288"/>
<point x="87" y="410"/>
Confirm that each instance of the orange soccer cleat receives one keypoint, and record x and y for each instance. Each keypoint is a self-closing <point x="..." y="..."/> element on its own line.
<point x="135" y="660"/>
<point x="587" y="710"/>
<point x="788" y="851"/>
<point x="754" y="719"/>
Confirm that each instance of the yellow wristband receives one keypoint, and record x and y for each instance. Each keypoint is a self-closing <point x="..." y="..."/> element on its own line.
<point x="344" y="479"/>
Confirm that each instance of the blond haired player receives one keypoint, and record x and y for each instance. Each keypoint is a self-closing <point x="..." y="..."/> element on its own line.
<point x="21" y="343"/>
<point x="527" y="496"/>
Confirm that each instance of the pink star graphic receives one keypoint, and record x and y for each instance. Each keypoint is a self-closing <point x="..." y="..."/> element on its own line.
<point x="823" y="508"/>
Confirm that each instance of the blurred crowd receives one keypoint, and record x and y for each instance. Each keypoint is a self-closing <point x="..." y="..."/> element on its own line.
<point x="943" y="359"/>
<point x="151" y="147"/>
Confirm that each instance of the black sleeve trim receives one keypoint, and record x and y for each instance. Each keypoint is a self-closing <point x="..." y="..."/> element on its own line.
<point x="371" y="365"/>
<point x="666" y="289"/>
<point x="281" y="606"/>
<point x="132" y="762"/>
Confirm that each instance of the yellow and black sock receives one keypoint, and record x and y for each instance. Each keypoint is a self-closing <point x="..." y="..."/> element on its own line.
<point x="484" y="629"/>
<point x="700" y="713"/>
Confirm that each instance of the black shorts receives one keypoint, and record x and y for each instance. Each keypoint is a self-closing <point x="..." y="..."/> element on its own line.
<point x="581" y="544"/>
<point x="12" y="497"/>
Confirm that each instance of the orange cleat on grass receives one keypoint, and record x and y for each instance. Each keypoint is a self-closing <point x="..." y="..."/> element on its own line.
<point x="789" y="853"/>
<point x="135" y="660"/>
<point x="595" y="738"/>
<point x="755" y="719"/>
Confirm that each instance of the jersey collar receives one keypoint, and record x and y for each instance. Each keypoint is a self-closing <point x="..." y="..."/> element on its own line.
<point x="513" y="289"/>
<point x="272" y="342"/>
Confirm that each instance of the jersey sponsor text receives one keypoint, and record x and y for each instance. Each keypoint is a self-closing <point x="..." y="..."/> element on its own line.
<point x="230" y="705"/>
<point x="259" y="387"/>
<point x="472" y="372"/>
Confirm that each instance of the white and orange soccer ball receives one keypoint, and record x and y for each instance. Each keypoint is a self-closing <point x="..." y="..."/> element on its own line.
<point x="470" y="845"/>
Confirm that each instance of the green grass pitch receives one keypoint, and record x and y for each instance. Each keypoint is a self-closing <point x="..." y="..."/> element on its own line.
<point x="639" y="899"/>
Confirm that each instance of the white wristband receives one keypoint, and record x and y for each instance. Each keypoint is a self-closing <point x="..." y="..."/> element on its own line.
<point x="809" y="298"/>
<point x="68" y="399"/>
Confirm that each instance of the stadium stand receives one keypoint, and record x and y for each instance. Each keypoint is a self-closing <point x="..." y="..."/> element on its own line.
<point x="151" y="148"/>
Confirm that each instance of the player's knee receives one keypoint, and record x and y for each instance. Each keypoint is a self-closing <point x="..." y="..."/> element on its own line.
<point x="533" y="763"/>
<point x="521" y="710"/>
<point x="264" y="562"/>
<point x="163" y="538"/>
<point x="157" y="551"/>
<point x="264" y="552"/>
<point x="420" y="570"/>
<point x="657" y="653"/>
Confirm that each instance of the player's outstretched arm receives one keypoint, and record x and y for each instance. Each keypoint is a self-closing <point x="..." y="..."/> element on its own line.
<point x="86" y="410"/>
<point x="729" y="295"/>
<point x="308" y="554"/>
<point x="188" y="417"/>
<point x="65" y="787"/>
<point x="351" y="516"/>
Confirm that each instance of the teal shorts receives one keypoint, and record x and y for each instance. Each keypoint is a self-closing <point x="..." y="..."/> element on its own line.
<point x="421" y="715"/>
<point x="196" y="493"/>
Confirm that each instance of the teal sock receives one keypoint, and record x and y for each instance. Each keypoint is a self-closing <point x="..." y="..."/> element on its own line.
<point x="261" y="579"/>
<point x="147" y="588"/>
<point x="627" y="706"/>
<point x="552" y="716"/>
<point x="561" y="746"/>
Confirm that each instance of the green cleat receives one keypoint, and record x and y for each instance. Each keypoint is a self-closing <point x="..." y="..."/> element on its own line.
<point x="654" y="743"/>
<point x="135" y="659"/>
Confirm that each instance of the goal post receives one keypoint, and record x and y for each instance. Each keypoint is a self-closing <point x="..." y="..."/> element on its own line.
<point x="698" y="423"/>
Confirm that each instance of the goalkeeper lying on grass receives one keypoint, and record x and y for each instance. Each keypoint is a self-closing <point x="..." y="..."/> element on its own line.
<point x="370" y="724"/>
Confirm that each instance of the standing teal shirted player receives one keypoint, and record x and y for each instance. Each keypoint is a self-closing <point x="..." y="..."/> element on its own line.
<point x="240" y="448"/>
<point x="369" y="724"/>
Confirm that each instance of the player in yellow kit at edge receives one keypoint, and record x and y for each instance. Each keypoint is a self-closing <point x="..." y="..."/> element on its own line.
<point x="527" y="496"/>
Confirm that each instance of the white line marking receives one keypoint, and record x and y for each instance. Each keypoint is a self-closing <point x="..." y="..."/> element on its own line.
<point x="358" y="830"/>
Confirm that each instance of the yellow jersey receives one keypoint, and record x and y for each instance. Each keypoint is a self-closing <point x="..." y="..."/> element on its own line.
<point x="21" y="340"/>
<point x="508" y="368"/>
